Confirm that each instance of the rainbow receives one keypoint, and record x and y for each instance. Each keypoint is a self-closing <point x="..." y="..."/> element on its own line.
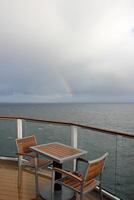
<point x="65" y="84"/>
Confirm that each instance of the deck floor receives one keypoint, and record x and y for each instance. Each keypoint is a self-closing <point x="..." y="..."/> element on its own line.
<point x="8" y="184"/>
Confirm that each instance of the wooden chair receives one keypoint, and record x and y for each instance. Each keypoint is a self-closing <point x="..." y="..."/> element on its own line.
<point x="82" y="181"/>
<point x="27" y="158"/>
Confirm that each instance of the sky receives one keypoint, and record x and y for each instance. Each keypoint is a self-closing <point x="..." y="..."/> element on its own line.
<point x="66" y="51"/>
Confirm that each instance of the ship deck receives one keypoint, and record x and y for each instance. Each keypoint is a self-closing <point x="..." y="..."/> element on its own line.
<point x="8" y="184"/>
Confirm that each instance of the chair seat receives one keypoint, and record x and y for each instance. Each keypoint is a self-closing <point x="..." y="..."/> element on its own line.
<point x="41" y="162"/>
<point x="76" y="185"/>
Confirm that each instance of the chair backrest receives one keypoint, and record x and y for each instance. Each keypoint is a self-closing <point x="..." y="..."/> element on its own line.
<point x="95" y="167"/>
<point x="24" y="143"/>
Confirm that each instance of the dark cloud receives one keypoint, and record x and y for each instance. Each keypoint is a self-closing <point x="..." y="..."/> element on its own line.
<point x="66" y="51"/>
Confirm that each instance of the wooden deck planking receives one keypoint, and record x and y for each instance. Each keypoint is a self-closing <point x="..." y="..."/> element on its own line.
<point x="8" y="184"/>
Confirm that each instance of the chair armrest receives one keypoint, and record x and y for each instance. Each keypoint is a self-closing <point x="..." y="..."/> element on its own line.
<point x="82" y="160"/>
<point x="68" y="173"/>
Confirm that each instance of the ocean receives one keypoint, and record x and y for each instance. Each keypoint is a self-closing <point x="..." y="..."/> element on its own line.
<point x="115" y="116"/>
<point x="117" y="179"/>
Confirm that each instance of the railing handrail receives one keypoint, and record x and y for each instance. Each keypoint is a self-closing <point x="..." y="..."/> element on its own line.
<point x="65" y="123"/>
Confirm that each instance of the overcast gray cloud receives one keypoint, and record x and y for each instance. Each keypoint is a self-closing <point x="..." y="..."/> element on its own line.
<point x="57" y="50"/>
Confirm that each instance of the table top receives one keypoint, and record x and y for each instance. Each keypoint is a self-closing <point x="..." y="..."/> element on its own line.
<point x="58" y="152"/>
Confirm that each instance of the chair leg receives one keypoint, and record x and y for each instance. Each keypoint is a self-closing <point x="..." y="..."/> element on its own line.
<point x="19" y="176"/>
<point x="81" y="196"/>
<point x="36" y="177"/>
<point x="52" y="186"/>
<point x="101" y="194"/>
<point x="36" y="184"/>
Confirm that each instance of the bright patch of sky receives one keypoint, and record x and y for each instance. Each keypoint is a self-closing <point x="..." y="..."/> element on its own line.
<point x="67" y="51"/>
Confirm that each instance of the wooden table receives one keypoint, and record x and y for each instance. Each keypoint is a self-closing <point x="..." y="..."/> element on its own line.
<point x="59" y="153"/>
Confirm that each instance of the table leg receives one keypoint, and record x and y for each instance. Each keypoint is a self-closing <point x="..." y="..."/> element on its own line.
<point x="57" y="187"/>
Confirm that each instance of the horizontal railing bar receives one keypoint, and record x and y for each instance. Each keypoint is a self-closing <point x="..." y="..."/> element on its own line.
<point x="90" y="127"/>
<point x="8" y="158"/>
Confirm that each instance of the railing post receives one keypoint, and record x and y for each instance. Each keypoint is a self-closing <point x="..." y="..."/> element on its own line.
<point x="74" y="136"/>
<point x="19" y="128"/>
<point x="74" y="141"/>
